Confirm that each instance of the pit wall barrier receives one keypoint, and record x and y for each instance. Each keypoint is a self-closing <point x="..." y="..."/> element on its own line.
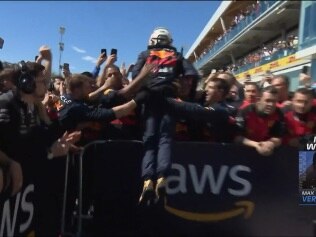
<point x="213" y="189"/>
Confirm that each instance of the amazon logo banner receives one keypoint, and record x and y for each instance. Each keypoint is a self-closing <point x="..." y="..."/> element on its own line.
<point x="36" y="209"/>
<point x="228" y="186"/>
<point x="17" y="213"/>
<point x="211" y="186"/>
<point x="212" y="190"/>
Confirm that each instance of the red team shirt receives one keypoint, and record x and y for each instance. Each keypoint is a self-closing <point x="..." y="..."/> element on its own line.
<point x="296" y="127"/>
<point x="257" y="127"/>
<point x="244" y="104"/>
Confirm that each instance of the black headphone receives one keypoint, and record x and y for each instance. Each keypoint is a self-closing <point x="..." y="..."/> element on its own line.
<point x="26" y="82"/>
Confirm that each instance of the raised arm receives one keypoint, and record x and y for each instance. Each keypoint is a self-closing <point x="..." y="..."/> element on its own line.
<point x="45" y="58"/>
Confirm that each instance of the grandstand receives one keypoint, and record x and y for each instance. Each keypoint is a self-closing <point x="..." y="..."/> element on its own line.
<point x="250" y="38"/>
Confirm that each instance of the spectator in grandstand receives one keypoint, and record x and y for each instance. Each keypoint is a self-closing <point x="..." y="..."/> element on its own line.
<point x="274" y="47"/>
<point x="233" y="23"/>
<point x="290" y="39"/>
<point x="241" y="16"/>
<point x="251" y="94"/>
<point x="160" y="126"/>
<point x="266" y="52"/>
<point x="295" y="42"/>
<point x="261" y="124"/>
<point x="304" y="79"/>
<point x="248" y="77"/>
<point x="300" y="118"/>
<point x="266" y="80"/>
<point x="282" y="83"/>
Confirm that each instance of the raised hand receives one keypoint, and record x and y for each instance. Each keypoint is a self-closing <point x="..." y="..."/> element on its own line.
<point x="45" y="53"/>
<point x="101" y="59"/>
<point x="110" y="60"/>
<point x="62" y="145"/>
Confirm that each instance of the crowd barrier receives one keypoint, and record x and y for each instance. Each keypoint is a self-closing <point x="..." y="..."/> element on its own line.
<point x="213" y="189"/>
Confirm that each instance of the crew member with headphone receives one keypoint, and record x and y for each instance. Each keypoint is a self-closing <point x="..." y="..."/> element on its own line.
<point x="27" y="140"/>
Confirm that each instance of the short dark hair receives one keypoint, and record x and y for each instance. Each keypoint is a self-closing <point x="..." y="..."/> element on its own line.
<point x="221" y="84"/>
<point x="232" y="79"/>
<point x="76" y="81"/>
<point x="58" y="77"/>
<point x="88" y="74"/>
<point x="113" y="66"/>
<point x="285" y="78"/>
<point x="252" y="83"/>
<point x="14" y="70"/>
<point x="304" y="91"/>
<point x="269" y="89"/>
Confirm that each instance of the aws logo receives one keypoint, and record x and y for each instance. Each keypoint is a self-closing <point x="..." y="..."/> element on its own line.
<point x="10" y="223"/>
<point x="177" y="184"/>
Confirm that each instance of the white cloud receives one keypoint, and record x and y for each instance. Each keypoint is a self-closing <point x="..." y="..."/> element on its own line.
<point x="78" y="50"/>
<point x="89" y="59"/>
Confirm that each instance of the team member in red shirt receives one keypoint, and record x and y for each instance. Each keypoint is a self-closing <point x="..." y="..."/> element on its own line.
<point x="251" y="94"/>
<point x="261" y="123"/>
<point x="282" y="84"/>
<point x="300" y="119"/>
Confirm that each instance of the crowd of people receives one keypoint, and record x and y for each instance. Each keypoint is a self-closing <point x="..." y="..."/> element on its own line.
<point x="250" y="10"/>
<point x="265" y="53"/>
<point x="48" y="117"/>
<point x="287" y="45"/>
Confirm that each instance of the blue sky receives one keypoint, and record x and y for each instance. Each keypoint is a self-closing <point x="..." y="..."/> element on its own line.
<point x="92" y="25"/>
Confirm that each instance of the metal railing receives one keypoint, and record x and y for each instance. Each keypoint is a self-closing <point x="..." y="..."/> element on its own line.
<point x="79" y="213"/>
<point x="267" y="59"/>
<point x="241" y="27"/>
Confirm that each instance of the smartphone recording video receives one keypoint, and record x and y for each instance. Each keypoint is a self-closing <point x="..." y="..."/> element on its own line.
<point x="114" y="51"/>
<point x="103" y="51"/>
